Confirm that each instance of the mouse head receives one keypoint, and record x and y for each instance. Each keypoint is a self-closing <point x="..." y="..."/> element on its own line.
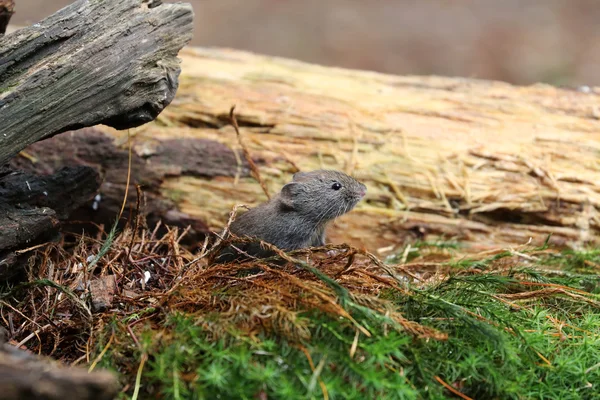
<point x="322" y="194"/>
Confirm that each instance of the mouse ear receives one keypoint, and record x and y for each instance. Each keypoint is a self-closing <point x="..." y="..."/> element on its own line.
<point x="299" y="175"/>
<point x="288" y="192"/>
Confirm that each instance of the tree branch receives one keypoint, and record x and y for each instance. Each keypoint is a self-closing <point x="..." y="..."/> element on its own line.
<point x="111" y="62"/>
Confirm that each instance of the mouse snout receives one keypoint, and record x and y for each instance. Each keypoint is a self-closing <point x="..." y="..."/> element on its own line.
<point x="362" y="190"/>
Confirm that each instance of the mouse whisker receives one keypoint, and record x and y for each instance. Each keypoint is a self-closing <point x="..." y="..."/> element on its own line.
<point x="327" y="212"/>
<point x="322" y="214"/>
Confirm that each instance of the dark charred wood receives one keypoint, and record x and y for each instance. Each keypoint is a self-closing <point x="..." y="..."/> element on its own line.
<point x="111" y="62"/>
<point x="32" y="206"/>
<point x="62" y="191"/>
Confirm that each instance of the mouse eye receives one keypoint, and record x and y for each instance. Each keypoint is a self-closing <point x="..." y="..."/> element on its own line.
<point x="336" y="186"/>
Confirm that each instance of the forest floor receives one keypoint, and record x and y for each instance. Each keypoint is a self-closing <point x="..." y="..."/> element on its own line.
<point x="428" y="323"/>
<point x="432" y="321"/>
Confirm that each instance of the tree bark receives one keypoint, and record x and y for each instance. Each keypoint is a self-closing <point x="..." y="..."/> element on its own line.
<point x="160" y="160"/>
<point x="484" y="163"/>
<point x="94" y="62"/>
<point x="32" y="206"/>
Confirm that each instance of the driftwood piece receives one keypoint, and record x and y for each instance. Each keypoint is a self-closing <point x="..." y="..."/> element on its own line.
<point x="110" y="62"/>
<point x="26" y="376"/>
<point x="486" y="163"/>
<point x="7" y="9"/>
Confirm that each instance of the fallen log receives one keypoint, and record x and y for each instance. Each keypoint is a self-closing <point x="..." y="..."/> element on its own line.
<point x="485" y="163"/>
<point x="100" y="62"/>
<point x="111" y="62"/>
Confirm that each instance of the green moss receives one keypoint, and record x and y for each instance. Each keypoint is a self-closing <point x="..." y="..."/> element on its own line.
<point x="542" y="347"/>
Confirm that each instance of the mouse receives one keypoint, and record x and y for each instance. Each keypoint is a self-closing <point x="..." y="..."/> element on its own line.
<point x="297" y="216"/>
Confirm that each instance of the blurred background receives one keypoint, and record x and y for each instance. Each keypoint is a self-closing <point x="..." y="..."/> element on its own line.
<point x="521" y="42"/>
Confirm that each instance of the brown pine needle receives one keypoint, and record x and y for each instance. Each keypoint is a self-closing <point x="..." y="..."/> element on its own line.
<point x="314" y="370"/>
<point x="128" y="176"/>
<point x="450" y="388"/>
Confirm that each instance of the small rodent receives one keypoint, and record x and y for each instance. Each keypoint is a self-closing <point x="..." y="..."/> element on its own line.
<point x="296" y="217"/>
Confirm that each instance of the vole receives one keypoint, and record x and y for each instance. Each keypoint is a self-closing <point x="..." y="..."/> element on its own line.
<point x="297" y="216"/>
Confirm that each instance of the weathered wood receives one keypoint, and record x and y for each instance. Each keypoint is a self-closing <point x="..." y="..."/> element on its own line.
<point x="486" y="163"/>
<point x="26" y="376"/>
<point x="32" y="206"/>
<point x="150" y="166"/>
<point x="7" y="9"/>
<point x="110" y="62"/>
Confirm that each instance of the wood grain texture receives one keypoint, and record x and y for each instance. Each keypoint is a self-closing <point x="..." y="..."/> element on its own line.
<point x="483" y="162"/>
<point x="110" y="62"/>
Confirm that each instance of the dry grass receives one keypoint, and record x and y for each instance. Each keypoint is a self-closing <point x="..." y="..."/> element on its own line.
<point x="257" y="300"/>
<point x="156" y="275"/>
<point x="55" y="316"/>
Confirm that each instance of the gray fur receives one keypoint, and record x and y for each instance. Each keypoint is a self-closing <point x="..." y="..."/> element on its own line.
<point x="297" y="216"/>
